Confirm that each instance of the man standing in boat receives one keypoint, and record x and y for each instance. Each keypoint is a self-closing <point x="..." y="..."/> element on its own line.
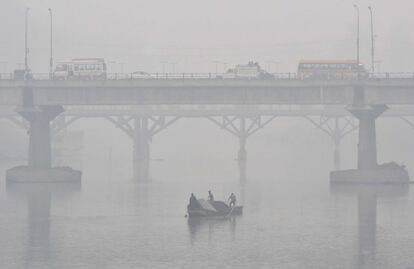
<point x="232" y="200"/>
<point x="210" y="196"/>
<point x="193" y="202"/>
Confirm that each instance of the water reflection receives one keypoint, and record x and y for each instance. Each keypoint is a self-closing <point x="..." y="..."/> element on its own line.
<point x="38" y="196"/>
<point x="200" y="227"/>
<point x="367" y="198"/>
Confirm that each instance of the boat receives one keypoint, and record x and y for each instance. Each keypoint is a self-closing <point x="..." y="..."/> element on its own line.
<point x="205" y="208"/>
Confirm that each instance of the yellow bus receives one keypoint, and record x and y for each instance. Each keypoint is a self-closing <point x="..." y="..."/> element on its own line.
<point x="331" y="70"/>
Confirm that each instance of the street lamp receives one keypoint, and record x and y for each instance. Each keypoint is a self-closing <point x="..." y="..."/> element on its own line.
<point x="276" y="63"/>
<point x="225" y="67"/>
<point x="217" y="63"/>
<point x="164" y="63"/>
<point x="111" y="66"/>
<point x="372" y="41"/>
<point x="357" y="10"/>
<point x="122" y="67"/>
<point x="4" y="67"/>
<point x="26" y="49"/>
<point x="51" y="45"/>
<point x="173" y="66"/>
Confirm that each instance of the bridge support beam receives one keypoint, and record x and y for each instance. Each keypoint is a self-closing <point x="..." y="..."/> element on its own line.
<point x="39" y="167"/>
<point x="336" y="128"/>
<point x="39" y="135"/>
<point x="242" y="127"/>
<point x="141" y="149"/>
<point x="141" y="129"/>
<point x="242" y="154"/>
<point x="367" y="141"/>
<point x="368" y="170"/>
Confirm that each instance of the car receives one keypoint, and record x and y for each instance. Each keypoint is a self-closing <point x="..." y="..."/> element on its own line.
<point x="141" y="75"/>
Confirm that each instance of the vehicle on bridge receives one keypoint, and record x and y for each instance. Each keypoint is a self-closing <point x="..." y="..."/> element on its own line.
<point x="22" y="74"/>
<point x="250" y="71"/>
<point x="81" y="69"/>
<point x="331" y="70"/>
<point x="141" y="75"/>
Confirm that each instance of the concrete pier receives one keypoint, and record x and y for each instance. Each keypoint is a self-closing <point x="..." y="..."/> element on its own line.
<point x="242" y="158"/>
<point x="39" y="134"/>
<point x="367" y="138"/>
<point x="39" y="154"/>
<point x="368" y="170"/>
<point x="141" y="149"/>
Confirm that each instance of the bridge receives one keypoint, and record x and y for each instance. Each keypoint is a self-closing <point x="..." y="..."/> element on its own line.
<point x="144" y="107"/>
<point x="204" y="91"/>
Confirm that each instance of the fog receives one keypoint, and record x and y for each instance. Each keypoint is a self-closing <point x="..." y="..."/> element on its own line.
<point x="194" y="34"/>
<point x="105" y="198"/>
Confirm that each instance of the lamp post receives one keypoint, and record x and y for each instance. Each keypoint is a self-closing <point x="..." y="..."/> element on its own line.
<point x="276" y="63"/>
<point x="111" y="66"/>
<point x="225" y="67"/>
<point x="26" y="49"/>
<point x="357" y="40"/>
<point x="372" y="41"/>
<point x="173" y="64"/>
<point x="3" y="67"/>
<point x="164" y="63"/>
<point x="51" y="45"/>
<point x="217" y="63"/>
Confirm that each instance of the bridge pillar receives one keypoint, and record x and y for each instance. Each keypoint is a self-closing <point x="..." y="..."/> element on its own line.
<point x="367" y="145"/>
<point x="242" y="154"/>
<point x="141" y="129"/>
<point x="141" y="149"/>
<point x="368" y="170"/>
<point x="337" y="153"/>
<point x="242" y="126"/>
<point x="39" y="134"/>
<point x="337" y="128"/>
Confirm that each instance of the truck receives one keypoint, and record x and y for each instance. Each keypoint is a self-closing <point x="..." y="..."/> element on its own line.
<point x="251" y="70"/>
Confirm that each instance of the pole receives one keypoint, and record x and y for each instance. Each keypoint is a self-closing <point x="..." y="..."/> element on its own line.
<point x="26" y="49"/>
<point x="163" y="66"/>
<point x="217" y="63"/>
<point x="372" y="41"/>
<point x="357" y="41"/>
<point x="51" y="45"/>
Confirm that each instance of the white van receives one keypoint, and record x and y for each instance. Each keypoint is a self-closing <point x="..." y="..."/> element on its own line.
<point x="250" y="71"/>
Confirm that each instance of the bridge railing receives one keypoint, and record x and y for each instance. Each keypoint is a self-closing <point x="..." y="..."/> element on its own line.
<point x="6" y="76"/>
<point x="132" y="76"/>
<point x="189" y="76"/>
<point x="390" y="75"/>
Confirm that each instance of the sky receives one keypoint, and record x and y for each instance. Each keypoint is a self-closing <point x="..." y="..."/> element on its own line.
<point x="202" y="36"/>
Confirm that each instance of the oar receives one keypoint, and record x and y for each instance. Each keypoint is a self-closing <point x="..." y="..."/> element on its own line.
<point x="230" y="211"/>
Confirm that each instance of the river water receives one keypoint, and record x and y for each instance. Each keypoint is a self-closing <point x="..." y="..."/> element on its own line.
<point x="118" y="223"/>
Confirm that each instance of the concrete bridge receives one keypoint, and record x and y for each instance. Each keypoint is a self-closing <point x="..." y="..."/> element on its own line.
<point x="203" y="91"/>
<point x="41" y="101"/>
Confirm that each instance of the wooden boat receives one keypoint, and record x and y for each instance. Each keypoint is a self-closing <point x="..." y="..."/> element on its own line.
<point x="204" y="208"/>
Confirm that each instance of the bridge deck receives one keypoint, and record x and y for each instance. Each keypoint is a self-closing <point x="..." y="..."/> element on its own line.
<point x="204" y="91"/>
